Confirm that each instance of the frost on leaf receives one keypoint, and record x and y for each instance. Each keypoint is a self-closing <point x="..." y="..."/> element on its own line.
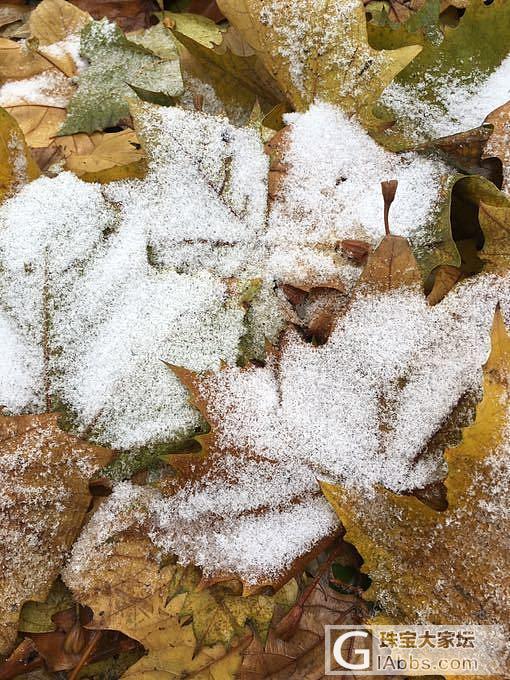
<point x="45" y="474"/>
<point x="116" y="63"/>
<point x="318" y="51"/>
<point x="444" y="567"/>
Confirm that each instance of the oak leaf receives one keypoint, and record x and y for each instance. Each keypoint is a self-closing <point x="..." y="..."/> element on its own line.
<point x="319" y="50"/>
<point x="46" y="473"/>
<point x="444" y="567"/>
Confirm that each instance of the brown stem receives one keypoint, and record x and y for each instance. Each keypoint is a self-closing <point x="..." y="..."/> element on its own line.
<point x="86" y="654"/>
<point x="389" y="189"/>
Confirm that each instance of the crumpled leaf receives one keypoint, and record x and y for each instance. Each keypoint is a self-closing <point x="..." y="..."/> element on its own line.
<point x="319" y="50"/>
<point x="444" y="567"/>
<point x="46" y="497"/>
<point x="16" y="164"/>
<point x="101" y="100"/>
<point x="498" y="145"/>
<point x="130" y="15"/>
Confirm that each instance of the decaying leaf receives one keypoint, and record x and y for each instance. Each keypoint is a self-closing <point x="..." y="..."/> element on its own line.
<point x="319" y="51"/>
<point x="46" y="497"/>
<point x="498" y="144"/>
<point x="17" y="166"/>
<point x="444" y="567"/>
<point x="116" y="63"/>
<point x="37" y="617"/>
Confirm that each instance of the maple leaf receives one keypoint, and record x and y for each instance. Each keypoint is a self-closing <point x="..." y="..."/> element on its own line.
<point x="319" y="51"/>
<point x="46" y="473"/>
<point x="428" y="565"/>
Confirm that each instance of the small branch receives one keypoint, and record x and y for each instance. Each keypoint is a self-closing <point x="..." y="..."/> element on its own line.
<point x="86" y="654"/>
<point x="389" y="189"/>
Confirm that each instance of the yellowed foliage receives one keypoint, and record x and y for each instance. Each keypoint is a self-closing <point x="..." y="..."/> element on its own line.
<point x="54" y="20"/>
<point x="444" y="567"/>
<point x="39" y="124"/>
<point x="319" y="50"/>
<point x="18" y="61"/>
<point x="495" y="224"/>
<point x="44" y="506"/>
<point x="16" y="164"/>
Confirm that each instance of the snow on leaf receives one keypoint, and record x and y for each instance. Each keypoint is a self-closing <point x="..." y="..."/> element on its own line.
<point x="453" y="85"/>
<point x="318" y="51"/>
<point x="101" y="100"/>
<point x="45" y="475"/>
<point x="430" y="566"/>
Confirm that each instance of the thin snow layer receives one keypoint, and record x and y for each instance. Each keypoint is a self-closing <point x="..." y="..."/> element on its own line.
<point x="460" y="104"/>
<point x="358" y="410"/>
<point x="332" y="188"/>
<point x="99" y="285"/>
<point x="49" y="88"/>
<point x="362" y="408"/>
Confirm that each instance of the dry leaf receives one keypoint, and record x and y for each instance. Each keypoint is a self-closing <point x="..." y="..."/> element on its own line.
<point x="18" y="61"/>
<point x="444" y="567"/>
<point x="319" y="50"/>
<point x="445" y="278"/>
<point x="54" y="20"/>
<point x="39" y="124"/>
<point x="16" y="164"/>
<point x="498" y="144"/>
<point x="46" y="473"/>
<point x="130" y="15"/>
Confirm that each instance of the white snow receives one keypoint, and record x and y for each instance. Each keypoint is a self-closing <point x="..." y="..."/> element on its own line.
<point x="460" y="105"/>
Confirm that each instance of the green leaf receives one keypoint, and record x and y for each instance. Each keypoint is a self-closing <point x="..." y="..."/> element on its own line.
<point x="118" y="67"/>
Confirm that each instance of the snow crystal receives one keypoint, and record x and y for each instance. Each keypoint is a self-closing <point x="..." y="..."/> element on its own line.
<point x="460" y="104"/>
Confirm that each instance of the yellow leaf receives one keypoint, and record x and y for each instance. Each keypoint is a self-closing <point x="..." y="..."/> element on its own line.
<point x="498" y="145"/>
<point x="17" y="61"/>
<point x="114" y="155"/>
<point x="54" y="20"/>
<point x="444" y="567"/>
<point x="45" y="474"/>
<point x="16" y="164"/>
<point x="495" y="224"/>
<point x="319" y="51"/>
<point x="39" y="124"/>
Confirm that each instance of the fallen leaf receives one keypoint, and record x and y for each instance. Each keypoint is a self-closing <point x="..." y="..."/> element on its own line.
<point x="18" y="61"/>
<point x="17" y="166"/>
<point x="445" y="278"/>
<point x="498" y="145"/>
<point x="36" y="617"/>
<point x="116" y="63"/>
<point x="312" y="62"/>
<point x="39" y="124"/>
<point x="52" y="21"/>
<point x="46" y="488"/>
<point x="444" y="567"/>
<point x="207" y="8"/>
<point x="130" y="15"/>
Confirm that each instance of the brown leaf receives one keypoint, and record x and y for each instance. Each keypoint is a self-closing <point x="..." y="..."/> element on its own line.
<point x="316" y="309"/>
<point x="294" y="648"/>
<point x="391" y="266"/>
<point x="498" y="145"/>
<point x="445" y="278"/>
<point x="207" y="8"/>
<point x="130" y="15"/>
<point x="46" y="496"/>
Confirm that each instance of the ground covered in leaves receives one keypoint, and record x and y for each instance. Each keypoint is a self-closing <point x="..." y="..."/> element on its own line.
<point x="254" y="292"/>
